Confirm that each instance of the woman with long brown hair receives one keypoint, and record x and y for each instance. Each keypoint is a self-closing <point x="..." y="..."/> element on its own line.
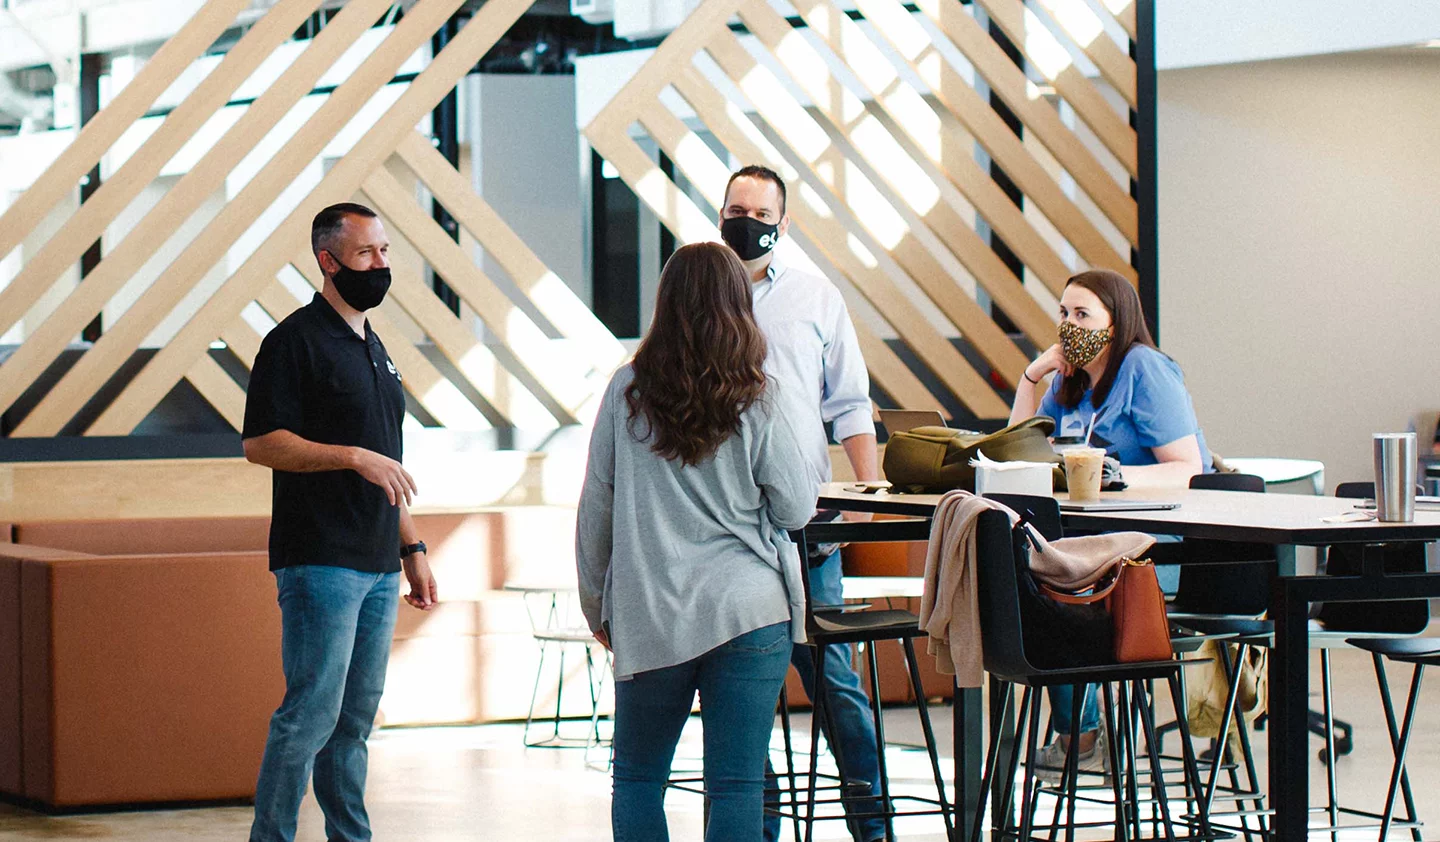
<point x="1109" y="370"/>
<point x="1112" y="380"/>
<point x="685" y="568"/>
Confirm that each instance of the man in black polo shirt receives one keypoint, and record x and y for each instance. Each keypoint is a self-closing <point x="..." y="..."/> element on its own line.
<point x="324" y="411"/>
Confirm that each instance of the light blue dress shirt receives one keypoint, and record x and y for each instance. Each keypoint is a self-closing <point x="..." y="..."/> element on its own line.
<point x="814" y="352"/>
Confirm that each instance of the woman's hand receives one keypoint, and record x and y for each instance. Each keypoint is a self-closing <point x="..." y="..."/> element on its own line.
<point x="1050" y="361"/>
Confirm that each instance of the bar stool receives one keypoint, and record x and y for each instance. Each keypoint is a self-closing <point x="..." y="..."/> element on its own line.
<point x="1000" y="552"/>
<point x="827" y="626"/>
<point x="556" y="624"/>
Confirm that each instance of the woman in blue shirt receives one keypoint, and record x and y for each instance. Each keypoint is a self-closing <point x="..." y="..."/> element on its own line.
<point x="1110" y="374"/>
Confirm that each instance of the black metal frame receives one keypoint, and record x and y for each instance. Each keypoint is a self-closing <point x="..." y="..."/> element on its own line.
<point x="1146" y="188"/>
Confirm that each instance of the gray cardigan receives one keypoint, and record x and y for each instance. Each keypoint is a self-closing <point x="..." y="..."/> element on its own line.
<point x="676" y="560"/>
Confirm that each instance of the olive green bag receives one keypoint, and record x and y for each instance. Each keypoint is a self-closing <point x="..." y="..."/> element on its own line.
<point x="937" y="459"/>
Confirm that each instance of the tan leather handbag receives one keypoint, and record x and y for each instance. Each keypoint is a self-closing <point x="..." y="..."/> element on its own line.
<point x="1137" y="610"/>
<point x="934" y="460"/>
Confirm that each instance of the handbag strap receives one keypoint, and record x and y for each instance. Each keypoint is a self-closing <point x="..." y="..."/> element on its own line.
<point x="1100" y="591"/>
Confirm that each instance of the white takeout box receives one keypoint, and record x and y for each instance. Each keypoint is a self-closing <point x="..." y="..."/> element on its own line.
<point x="1036" y="478"/>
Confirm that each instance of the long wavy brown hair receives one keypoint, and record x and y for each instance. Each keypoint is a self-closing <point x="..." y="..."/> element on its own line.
<point x="702" y="363"/>
<point x="1119" y="299"/>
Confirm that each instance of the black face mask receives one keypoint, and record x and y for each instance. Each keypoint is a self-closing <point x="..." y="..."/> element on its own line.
<point x="362" y="289"/>
<point x="749" y="237"/>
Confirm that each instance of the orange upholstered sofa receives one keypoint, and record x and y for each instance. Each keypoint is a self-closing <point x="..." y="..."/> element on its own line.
<point x="140" y="660"/>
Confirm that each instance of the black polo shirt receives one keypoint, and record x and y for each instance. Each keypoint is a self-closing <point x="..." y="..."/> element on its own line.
<point x="317" y="379"/>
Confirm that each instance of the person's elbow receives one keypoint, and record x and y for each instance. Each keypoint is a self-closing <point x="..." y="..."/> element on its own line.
<point x="793" y="513"/>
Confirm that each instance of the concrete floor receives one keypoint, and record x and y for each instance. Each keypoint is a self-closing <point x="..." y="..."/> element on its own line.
<point x="451" y="784"/>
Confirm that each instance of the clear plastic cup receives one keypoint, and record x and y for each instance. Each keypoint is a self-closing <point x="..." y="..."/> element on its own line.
<point x="1083" y="469"/>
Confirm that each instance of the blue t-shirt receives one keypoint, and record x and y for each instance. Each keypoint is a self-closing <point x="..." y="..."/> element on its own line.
<point x="1147" y="407"/>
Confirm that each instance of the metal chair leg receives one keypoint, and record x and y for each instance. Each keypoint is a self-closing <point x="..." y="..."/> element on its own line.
<point x="1029" y="702"/>
<point x="789" y="759"/>
<point x="1383" y="682"/>
<point x="1029" y="800"/>
<point x="992" y="759"/>
<point x="817" y="714"/>
<point x="876" y="712"/>
<point x="922" y="706"/>
<point x="1157" y="772"/>
<point x="1401" y="748"/>
<point x="1332" y="801"/>
<point x="1113" y="746"/>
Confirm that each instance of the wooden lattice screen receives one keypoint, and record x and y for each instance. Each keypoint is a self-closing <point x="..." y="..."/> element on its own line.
<point x="554" y="365"/>
<point x="879" y="117"/>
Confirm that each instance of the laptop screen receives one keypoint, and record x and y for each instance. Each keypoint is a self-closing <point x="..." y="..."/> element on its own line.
<point x="900" y="420"/>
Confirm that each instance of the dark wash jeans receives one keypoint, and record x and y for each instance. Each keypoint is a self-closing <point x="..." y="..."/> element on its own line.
<point x="739" y="683"/>
<point x="336" y="625"/>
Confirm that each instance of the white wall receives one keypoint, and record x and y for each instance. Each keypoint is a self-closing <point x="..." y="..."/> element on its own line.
<point x="1191" y="33"/>
<point x="527" y="166"/>
<point x="1300" y="250"/>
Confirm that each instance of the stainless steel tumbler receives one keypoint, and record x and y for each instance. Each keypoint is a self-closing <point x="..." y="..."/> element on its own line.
<point x="1395" y="477"/>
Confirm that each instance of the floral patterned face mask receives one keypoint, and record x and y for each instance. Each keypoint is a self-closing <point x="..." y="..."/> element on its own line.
<point x="1081" y="346"/>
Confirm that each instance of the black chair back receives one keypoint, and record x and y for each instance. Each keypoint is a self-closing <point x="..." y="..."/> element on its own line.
<point x="1043" y="513"/>
<point x="998" y="553"/>
<point x="1406" y="617"/>
<point x="1229" y="482"/>
<point x="1224" y="577"/>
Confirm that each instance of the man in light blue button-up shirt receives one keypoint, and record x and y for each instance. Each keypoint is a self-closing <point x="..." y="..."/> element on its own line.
<point x="814" y="353"/>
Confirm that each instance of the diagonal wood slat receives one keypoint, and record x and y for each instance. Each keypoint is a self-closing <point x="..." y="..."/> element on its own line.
<point x="59" y="180"/>
<point x="953" y="155"/>
<point x="555" y="301"/>
<point x="291" y="236"/>
<point x="64" y="249"/>
<point x="217" y="388"/>
<point x="1085" y="28"/>
<point x="1077" y="89"/>
<point x="1010" y="83"/>
<point x="122" y="338"/>
<point x="126" y="258"/>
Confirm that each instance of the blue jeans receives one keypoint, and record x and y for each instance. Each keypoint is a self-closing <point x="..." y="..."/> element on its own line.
<point x="739" y="682"/>
<point x="849" y="725"/>
<point x="336" y="625"/>
<point x="1062" y="696"/>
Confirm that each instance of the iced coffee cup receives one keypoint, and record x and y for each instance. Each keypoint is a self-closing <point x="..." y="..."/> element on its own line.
<point x="1083" y="467"/>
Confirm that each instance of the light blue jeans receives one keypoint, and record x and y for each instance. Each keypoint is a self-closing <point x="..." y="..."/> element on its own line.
<point x="849" y="725"/>
<point x="739" y="683"/>
<point x="1062" y="696"/>
<point x="336" y="625"/>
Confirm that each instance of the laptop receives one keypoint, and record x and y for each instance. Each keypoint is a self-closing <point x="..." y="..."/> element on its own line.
<point x="1117" y="506"/>
<point x="900" y="420"/>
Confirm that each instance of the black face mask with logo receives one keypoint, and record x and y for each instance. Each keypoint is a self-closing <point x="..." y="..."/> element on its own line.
<point x="362" y="289"/>
<point x="749" y="237"/>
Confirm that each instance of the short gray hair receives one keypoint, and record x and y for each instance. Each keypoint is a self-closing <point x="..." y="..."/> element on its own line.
<point x="329" y="222"/>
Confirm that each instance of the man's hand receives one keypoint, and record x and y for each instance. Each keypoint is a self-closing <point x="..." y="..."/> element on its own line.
<point x="423" y="594"/>
<point x="388" y="474"/>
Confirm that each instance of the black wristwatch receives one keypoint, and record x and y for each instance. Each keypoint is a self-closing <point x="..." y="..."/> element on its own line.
<point x="411" y="549"/>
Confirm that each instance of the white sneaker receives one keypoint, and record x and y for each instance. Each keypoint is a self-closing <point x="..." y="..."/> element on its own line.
<point x="1050" y="760"/>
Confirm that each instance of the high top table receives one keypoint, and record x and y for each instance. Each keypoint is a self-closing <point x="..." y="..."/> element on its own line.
<point x="1283" y="520"/>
